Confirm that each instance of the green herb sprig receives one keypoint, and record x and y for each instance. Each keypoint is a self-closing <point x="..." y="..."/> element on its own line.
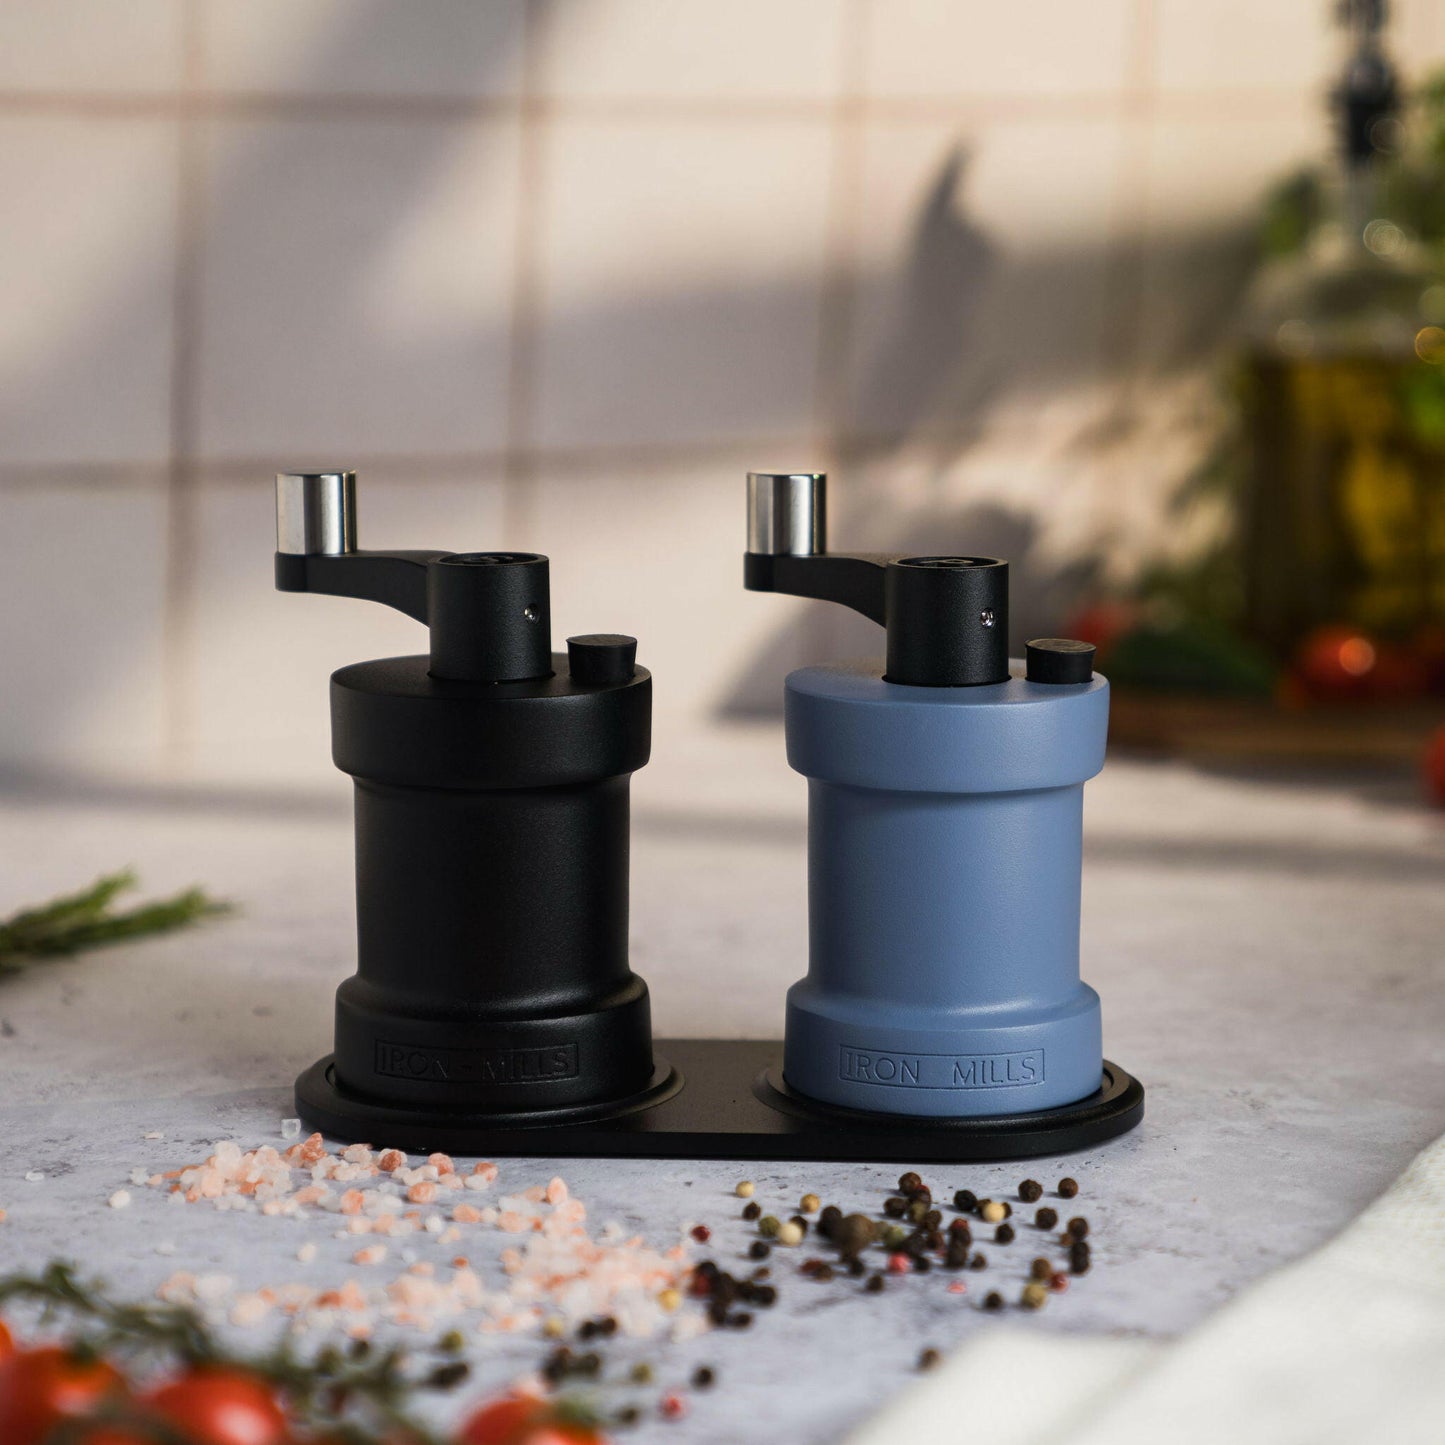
<point x="77" y="921"/>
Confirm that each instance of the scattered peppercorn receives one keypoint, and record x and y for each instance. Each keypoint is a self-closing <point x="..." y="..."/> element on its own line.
<point x="453" y="1342"/>
<point x="1034" y="1296"/>
<point x="672" y="1407"/>
<point x="979" y="1261"/>
<point x="893" y="1236"/>
<point x="829" y="1220"/>
<point x="1058" y="1282"/>
<point x="768" y="1226"/>
<point x="744" y="1189"/>
<point x="1030" y="1190"/>
<point x="875" y="1284"/>
<point x="739" y="1321"/>
<point x="824" y="1274"/>
<point x="893" y="1207"/>
<point x="855" y="1233"/>
<point x="759" y="1249"/>
<point x="641" y="1373"/>
<point x="801" y="1222"/>
<point x="1041" y="1270"/>
<point x="1078" y="1228"/>
<point x="1046" y="1218"/>
<point x="1068" y="1188"/>
<point x="929" y="1359"/>
<point x="993" y="1300"/>
<point x="856" y="1267"/>
<point x="909" y="1183"/>
<point x="701" y="1233"/>
<point x="933" y="1218"/>
<point x="628" y="1415"/>
<point x="1079" y="1259"/>
<point x="965" y="1201"/>
<point x="790" y="1233"/>
<point x="917" y="1211"/>
<point x="991" y="1211"/>
<point x="448" y="1377"/>
<point x="752" y="1211"/>
<point x="703" y="1378"/>
<point x="1004" y="1234"/>
<point x="809" y="1203"/>
<point x="957" y="1253"/>
<point x="898" y="1264"/>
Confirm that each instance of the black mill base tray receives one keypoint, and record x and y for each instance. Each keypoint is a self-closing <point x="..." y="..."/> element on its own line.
<point x="726" y="1099"/>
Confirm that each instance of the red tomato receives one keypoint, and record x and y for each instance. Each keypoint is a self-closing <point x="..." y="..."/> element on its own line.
<point x="41" y="1387"/>
<point x="7" y="1342"/>
<point x="1435" y="766"/>
<point x="220" y="1407"/>
<point x="1336" y="662"/>
<point x="524" y="1420"/>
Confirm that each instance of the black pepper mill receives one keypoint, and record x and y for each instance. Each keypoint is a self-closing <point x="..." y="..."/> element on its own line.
<point x="492" y="984"/>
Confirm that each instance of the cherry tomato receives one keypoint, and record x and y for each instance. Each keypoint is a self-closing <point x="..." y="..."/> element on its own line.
<point x="1336" y="662"/>
<point x="1435" y="767"/>
<point x="220" y="1407"/>
<point x="524" y="1420"/>
<point x="7" y="1342"/>
<point x="41" y="1387"/>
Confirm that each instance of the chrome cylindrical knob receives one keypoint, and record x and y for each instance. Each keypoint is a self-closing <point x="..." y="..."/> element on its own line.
<point x="315" y="513"/>
<point x="788" y="513"/>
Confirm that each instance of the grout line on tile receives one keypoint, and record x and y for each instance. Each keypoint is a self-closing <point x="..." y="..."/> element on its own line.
<point x="178" y="636"/>
<point x="840" y="260"/>
<point x="524" y="341"/>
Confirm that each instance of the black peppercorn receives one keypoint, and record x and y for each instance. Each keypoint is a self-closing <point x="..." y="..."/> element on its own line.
<point x="875" y="1284"/>
<point x="703" y="1377"/>
<point x="765" y="1295"/>
<point x="1030" y="1190"/>
<point x="855" y="1233"/>
<point x="856" y="1266"/>
<point x="1004" y="1234"/>
<point x="922" y="1264"/>
<point x="829" y="1220"/>
<point x="752" y="1210"/>
<point x="893" y="1207"/>
<point x="928" y="1359"/>
<point x="739" y="1321"/>
<point x="993" y="1300"/>
<point x="800" y="1221"/>
<point x="628" y="1415"/>
<point x="1046" y="1218"/>
<point x="1079" y="1259"/>
<point x="825" y="1273"/>
<point x="979" y="1261"/>
<point x="1078" y="1228"/>
<point x="909" y="1183"/>
<point x="759" y="1249"/>
<point x="965" y="1201"/>
<point x="933" y="1218"/>
<point x="957" y="1253"/>
<point x="1041" y="1269"/>
<point x="1068" y="1188"/>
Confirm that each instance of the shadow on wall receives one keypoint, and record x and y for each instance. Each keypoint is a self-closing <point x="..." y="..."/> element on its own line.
<point x="969" y="326"/>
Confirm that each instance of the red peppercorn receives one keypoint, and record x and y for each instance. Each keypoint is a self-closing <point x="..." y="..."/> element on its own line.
<point x="899" y="1264"/>
<point x="673" y="1407"/>
<point x="1058" y="1282"/>
<point x="701" y="1233"/>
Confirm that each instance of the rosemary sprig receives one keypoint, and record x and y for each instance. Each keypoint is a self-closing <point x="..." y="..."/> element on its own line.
<point x="358" y="1395"/>
<point x="77" y="921"/>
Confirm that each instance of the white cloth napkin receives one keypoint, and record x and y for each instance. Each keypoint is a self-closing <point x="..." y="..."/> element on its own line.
<point x="1345" y="1347"/>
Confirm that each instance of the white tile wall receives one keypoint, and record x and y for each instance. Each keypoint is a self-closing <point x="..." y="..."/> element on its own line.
<point x="81" y="629"/>
<point x="553" y="275"/>
<point x="356" y="286"/>
<point x="445" y="48"/>
<point x="681" y="280"/>
<point x="91" y="45"/>
<point x="744" y="50"/>
<point x="958" y="49"/>
<point x="88" y="220"/>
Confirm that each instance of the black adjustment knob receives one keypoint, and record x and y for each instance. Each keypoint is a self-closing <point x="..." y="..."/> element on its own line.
<point x="1059" y="660"/>
<point x="602" y="659"/>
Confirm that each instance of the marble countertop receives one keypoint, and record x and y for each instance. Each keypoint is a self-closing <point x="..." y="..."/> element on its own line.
<point x="1268" y="950"/>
